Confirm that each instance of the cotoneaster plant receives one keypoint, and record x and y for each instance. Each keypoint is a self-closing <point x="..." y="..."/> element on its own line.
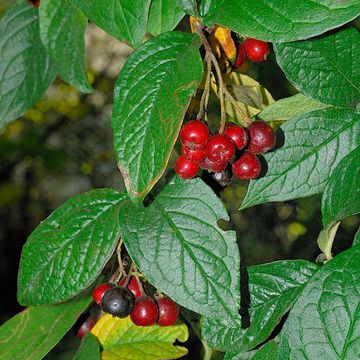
<point x="157" y="261"/>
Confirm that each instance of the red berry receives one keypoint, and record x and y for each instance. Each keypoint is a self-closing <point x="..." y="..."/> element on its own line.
<point x="240" y="56"/>
<point x="145" y="312"/>
<point x="247" y="166"/>
<point x="85" y="328"/>
<point x="220" y="148"/>
<point x="194" y="134"/>
<point x="168" y="311"/>
<point x="256" y="50"/>
<point x="262" y="137"/>
<point x="212" y="166"/>
<point x="133" y="286"/>
<point x="237" y="134"/>
<point x="185" y="168"/>
<point x="99" y="292"/>
<point x="195" y="155"/>
<point x="36" y="3"/>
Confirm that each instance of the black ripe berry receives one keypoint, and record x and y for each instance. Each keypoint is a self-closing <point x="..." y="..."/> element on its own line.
<point x="118" y="302"/>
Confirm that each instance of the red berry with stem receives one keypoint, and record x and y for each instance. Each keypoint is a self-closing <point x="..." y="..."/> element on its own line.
<point x="99" y="292"/>
<point x="262" y="137"/>
<point x="247" y="166"/>
<point x="145" y="312"/>
<point x="220" y="148"/>
<point x="85" y="328"/>
<point x="133" y="286"/>
<point x="194" y="134"/>
<point x="193" y="155"/>
<point x="212" y="166"/>
<point x="256" y="50"/>
<point x="240" y="55"/>
<point x="185" y="168"/>
<point x="168" y="311"/>
<point x="237" y="134"/>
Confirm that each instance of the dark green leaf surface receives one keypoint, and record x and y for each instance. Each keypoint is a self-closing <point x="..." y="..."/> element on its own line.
<point x="314" y="144"/>
<point x="273" y="289"/>
<point x="291" y="107"/>
<point x="164" y="16"/>
<point x="341" y="196"/>
<point x="32" y="333"/>
<point x="120" y="18"/>
<point x="62" y="29"/>
<point x="68" y="250"/>
<point x="281" y="20"/>
<point x="25" y="68"/>
<point x="177" y="245"/>
<point x="235" y="355"/>
<point x="269" y="351"/>
<point x="325" y="68"/>
<point x="151" y="95"/>
<point x="324" y="322"/>
<point x="89" y="349"/>
<point x="189" y="6"/>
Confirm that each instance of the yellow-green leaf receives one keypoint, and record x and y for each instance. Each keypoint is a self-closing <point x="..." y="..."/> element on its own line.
<point x="122" y="340"/>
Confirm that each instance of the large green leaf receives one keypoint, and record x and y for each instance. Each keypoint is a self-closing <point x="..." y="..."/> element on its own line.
<point x="25" y="68"/>
<point x="68" y="250"/>
<point x="121" y="339"/>
<point x="281" y="20"/>
<point x="62" y="28"/>
<point x="269" y="351"/>
<point x="177" y="244"/>
<point x="31" y="334"/>
<point x="236" y="355"/>
<point x="151" y="96"/>
<point x="341" y="196"/>
<point x="325" y="68"/>
<point x="314" y="144"/>
<point x="89" y="349"/>
<point x="120" y="18"/>
<point x="324" y="322"/>
<point x="273" y="288"/>
<point x="288" y="108"/>
<point x="189" y="6"/>
<point x="164" y="16"/>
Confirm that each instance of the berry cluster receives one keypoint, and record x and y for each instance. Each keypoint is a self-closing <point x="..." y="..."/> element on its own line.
<point x="255" y="50"/>
<point x="209" y="152"/>
<point x="121" y="301"/>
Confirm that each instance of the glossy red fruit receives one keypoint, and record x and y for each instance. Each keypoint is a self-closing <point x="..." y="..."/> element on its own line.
<point x="247" y="166"/>
<point x="85" y="328"/>
<point x="237" y="134"/>
<point x="99" y="292"/>
<point x="195" y="155"/>
<point x="240" y="56"/>
<point x="220" y="148"/>
<point x="212" y="166"/>
<point x="185" y="168"/>
<point x="194" y="134"/>
<point x="256" y="50"/>
<point x="262" y="137"/>
<point x="133" y="286"/>
<point x="145" y="312"/>
<point x="168" y="311"/>
<point x="36" y="3"/>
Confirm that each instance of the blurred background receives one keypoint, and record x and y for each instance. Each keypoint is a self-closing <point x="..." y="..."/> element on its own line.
<point x="63" y="146"/>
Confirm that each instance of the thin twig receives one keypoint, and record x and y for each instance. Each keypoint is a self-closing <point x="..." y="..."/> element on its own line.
<point x="118" y="253"/>
<point x="136" y="274"/>
<point x="205" y="95"/>
<point x="247" y="121"/>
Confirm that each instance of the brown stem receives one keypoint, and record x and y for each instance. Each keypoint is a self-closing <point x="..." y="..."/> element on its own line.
<point x="118" y="253"/>
<point x="205" y="95"/>
<point x="136" y="274"/>
<point x="246" y="120"/>
<point x="128" y="276"/>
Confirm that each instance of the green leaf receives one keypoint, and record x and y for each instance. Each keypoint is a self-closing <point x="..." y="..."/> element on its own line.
<point x="69" y="249"/>
<point x="269" y="351"/>
<point x="326" y="238"/>
<point x="89" y="349"/>
<point x="325" y="68"/>
<point x="281" y="20"/>
<point x="357" y="238"/>
<point x="176" y="243"/>
<point x="273" y="288"/>
<point x="341" y="196"/>
<point x="25" y="68"/>
<point x="189" y="7"/>
<point x="151" y="96"/>
<point x="291" y="107"/>
<point x="119" y="18"/>
<point x="164" y="15"/>
<point x="314" y="144"/>
<point x="324" y="322"/>
<point x="122" y="340"/>
<point x="62" y="29"/>
<point x="32" y="333"/>
<point x="236" y="355"/>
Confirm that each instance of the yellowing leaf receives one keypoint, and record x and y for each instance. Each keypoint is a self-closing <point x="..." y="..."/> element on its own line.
<point x="122" y="340"/>
<point x="222" y="43"/>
